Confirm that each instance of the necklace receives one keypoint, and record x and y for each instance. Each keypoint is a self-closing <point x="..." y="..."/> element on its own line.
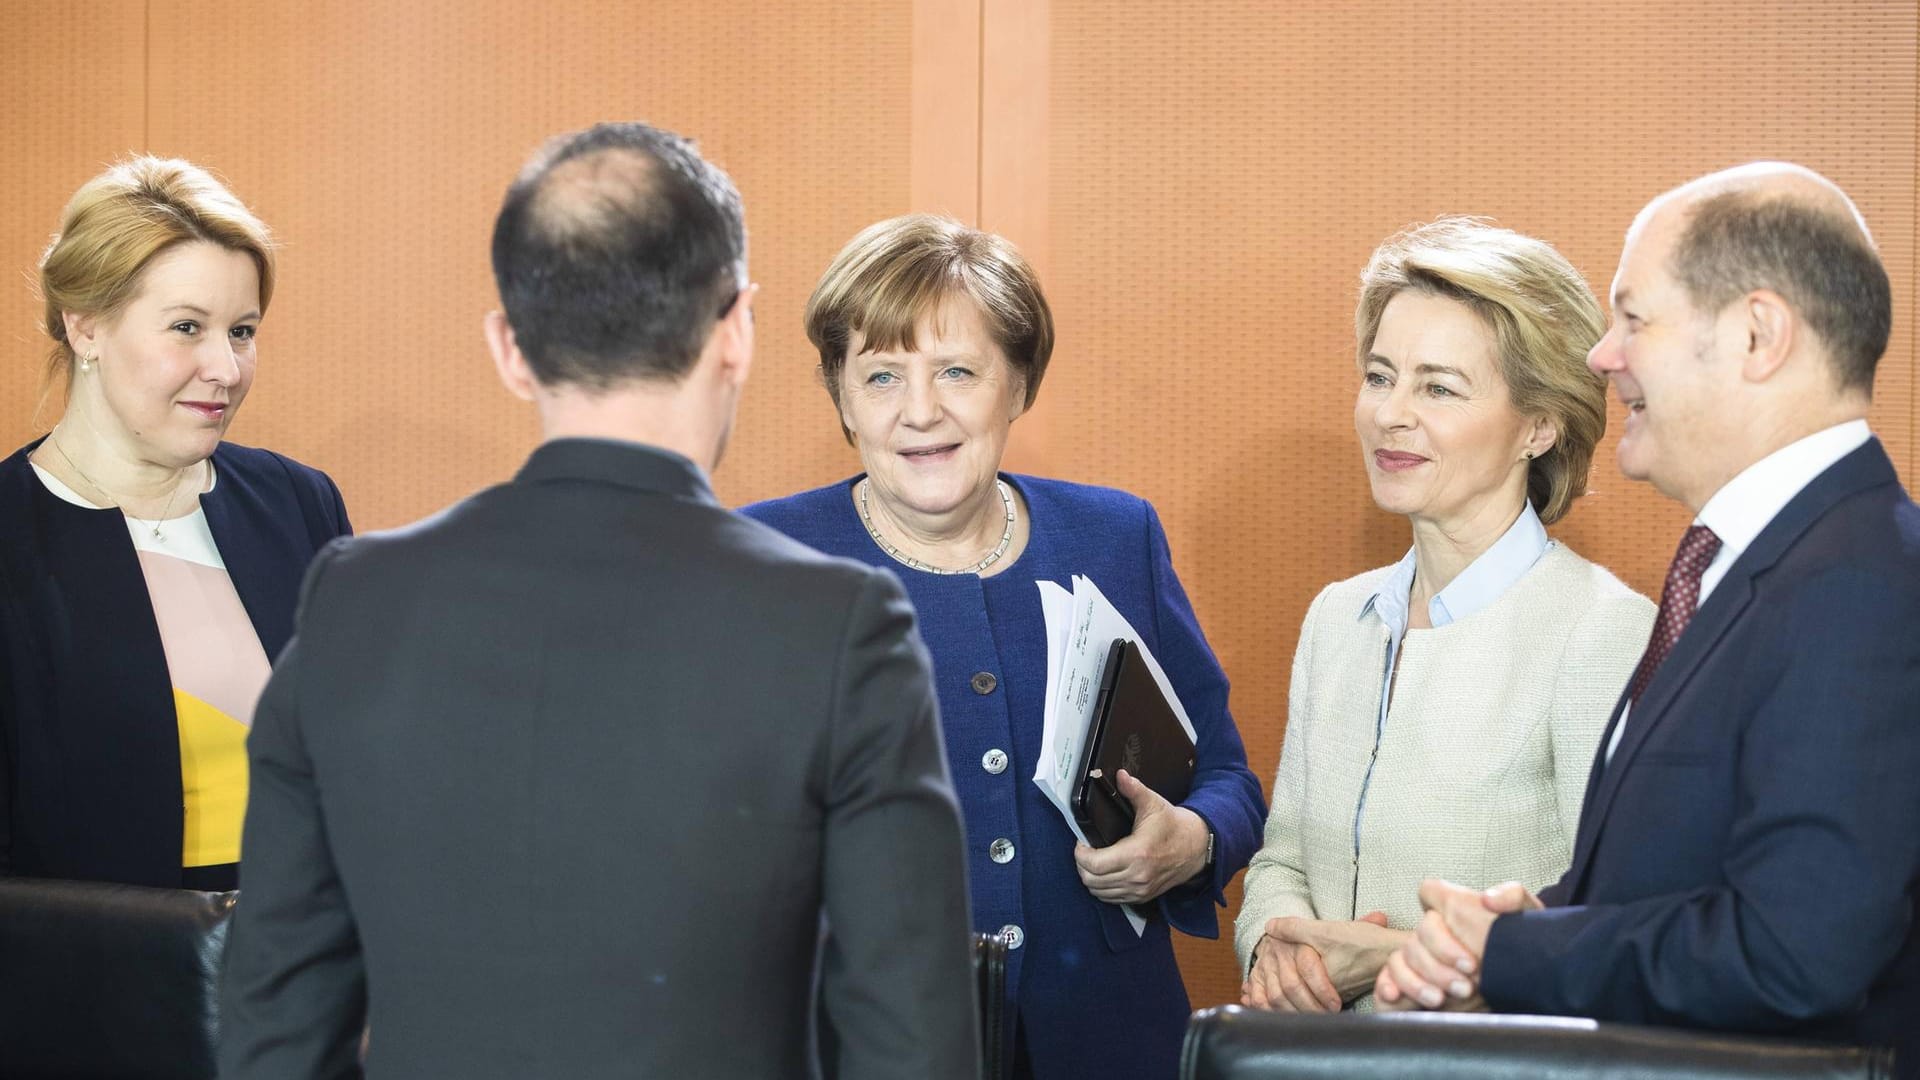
<point x="1000" y="549"/>
<point x="153" y="526"/>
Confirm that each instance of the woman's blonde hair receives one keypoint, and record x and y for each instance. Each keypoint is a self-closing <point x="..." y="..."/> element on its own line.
<point x="118" y="222"/>
<point x="1544" y="320"/>
<point x="897" y="271"/>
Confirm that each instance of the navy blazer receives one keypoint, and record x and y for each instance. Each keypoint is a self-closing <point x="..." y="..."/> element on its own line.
<point x="1749" y="860"/>
<point x="1094" y="998"/>
<point x="89" y="738"/>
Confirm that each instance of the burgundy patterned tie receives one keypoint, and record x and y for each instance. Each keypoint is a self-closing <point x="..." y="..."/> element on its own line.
<point x="1677" y="601"/>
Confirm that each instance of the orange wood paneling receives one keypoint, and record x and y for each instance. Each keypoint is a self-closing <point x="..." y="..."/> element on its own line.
<point x="1198" y="183"/>
<point x="944" y="148"/>
<point x="1220" y="172"/>
<point x="377" y="139"/>
<point x="1014" y="146"/>
<point x="74" y="80"/>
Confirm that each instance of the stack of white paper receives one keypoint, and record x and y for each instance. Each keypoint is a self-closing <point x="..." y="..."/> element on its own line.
<point x="1081" y="628"/>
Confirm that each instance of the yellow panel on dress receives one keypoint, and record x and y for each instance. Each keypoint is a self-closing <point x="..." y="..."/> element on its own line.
<point x="213" y="781"/>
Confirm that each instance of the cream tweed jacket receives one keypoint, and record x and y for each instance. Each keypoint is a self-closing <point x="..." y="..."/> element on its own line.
<point x="1484" y="758"/>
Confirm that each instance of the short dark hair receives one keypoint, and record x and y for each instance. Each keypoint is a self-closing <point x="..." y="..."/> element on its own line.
<point x="616" y="250"/>
<point x="1819" y="259"/>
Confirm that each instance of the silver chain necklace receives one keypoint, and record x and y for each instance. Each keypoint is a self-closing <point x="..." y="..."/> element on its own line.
<point x="153" y="525"/>
<point x="1000" y="549"/>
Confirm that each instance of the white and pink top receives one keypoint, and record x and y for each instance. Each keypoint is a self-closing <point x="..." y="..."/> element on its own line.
<point x="217" y="666"/>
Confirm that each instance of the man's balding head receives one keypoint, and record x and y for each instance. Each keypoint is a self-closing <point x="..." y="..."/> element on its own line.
<point x="616" y="250"/>
<point x="1772" y="225"/>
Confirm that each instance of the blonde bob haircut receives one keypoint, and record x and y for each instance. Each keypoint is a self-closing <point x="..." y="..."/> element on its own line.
<point x="118" y="222"/>
<point x="899" y="271"/>
<point x="1543" y="318"/>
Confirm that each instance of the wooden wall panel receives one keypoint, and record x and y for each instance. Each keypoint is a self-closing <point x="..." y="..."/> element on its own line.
<point x="1220" y="172"/>
<point x="1199" y="185"/>
<point x="1014" y="145"/>
<point x="378" y="139"/>
<point x="76" y="99"/>
<point x="944" y="148"/>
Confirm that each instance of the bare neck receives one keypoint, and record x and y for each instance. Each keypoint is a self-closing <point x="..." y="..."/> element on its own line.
<point x="87" y="457"/>
<point x="1442" y="549"/>
<point x="1764" y="432"/>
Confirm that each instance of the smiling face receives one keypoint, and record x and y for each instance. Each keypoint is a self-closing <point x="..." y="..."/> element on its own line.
<point x="1660" y="355"/>
<point x="931" y="422"/>
<point x="173" y="365"/>
<point x="1441" y="438"/>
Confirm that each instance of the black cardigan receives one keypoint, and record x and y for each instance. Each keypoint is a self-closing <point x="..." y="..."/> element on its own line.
<point x="89" y="740"/>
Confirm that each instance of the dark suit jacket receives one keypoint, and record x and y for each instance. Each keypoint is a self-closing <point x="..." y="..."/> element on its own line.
<point x="1750" y="858"/>
<point x="563" y="782"/>
<point x="89" y="738"/>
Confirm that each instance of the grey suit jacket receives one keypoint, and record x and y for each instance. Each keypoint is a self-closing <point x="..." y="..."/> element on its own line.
<point x="588" y="776"/>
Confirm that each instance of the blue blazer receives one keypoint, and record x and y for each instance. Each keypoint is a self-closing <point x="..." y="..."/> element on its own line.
<point x="89" y="739"/>
<point x="1095" y="1000"/>
<point x="1750" y="859"/>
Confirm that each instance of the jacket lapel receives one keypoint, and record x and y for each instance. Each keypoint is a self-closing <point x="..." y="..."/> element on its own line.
<point x="1864" y="468"/>
<point x="262" y="537"/>
<point x="108" y="695"/>
<point x="1710" y="624"/>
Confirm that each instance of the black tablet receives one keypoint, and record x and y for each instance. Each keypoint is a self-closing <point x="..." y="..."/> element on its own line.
<point x="1133" y="727"/>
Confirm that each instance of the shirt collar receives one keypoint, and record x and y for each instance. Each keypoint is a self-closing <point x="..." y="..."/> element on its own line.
<point x="618" y="462"/>
<point x="1748" y="502"/>
<point x="1480" y="584"/>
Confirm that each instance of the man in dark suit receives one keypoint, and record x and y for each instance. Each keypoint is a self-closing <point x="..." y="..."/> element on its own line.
<point x="1749" y="852"/>
<point x="588" y="776"/>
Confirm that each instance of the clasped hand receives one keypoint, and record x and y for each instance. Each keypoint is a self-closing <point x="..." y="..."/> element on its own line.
<point x="1439" y="966"/>
<point x="1167" y="847"/>
<point x="1317" y="965"/>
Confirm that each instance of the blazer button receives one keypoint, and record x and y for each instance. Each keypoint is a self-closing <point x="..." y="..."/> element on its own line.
<point x="984" y="682"/>
<point x="994" y="761"/>
<point x="1001" y="850"/>
<point x="1013" y="936"/>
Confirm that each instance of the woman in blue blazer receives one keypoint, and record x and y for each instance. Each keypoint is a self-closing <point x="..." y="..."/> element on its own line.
<point x="148" y="573"/>
<point x="933" y="338"/>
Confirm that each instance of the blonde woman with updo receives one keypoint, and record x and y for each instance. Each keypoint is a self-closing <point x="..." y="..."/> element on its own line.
<point x="148" y="570"/>
<point x="1444" y="710"/>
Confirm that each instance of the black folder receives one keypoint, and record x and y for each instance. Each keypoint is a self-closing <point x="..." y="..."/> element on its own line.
<point x="1134" y="728"/>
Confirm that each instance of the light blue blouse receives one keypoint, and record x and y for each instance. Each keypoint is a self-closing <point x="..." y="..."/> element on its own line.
<point x="1480" y="584"/>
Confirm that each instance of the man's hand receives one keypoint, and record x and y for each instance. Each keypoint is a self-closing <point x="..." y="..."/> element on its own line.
<point x="1314" y="965"/>
<point x="1439" y="966"/>
<point x="1167" y="847"/>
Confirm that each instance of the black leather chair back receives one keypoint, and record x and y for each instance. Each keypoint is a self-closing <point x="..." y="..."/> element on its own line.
<point x="103" y="980"/>
<point x="1238" y="1044"/>
<point x="990" y="983"/>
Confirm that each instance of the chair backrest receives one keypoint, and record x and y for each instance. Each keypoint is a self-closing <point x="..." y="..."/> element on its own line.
<point x="990" y="984"/>
<point x="107" y="980"/>
<point x="1232" y="1043"/>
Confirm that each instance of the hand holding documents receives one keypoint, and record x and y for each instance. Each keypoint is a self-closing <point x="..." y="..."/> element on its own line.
<point x="1108" y="706"/>
<point x="1133" y="728"/>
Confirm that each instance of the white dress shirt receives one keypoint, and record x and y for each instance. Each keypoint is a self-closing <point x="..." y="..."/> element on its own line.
<point x="1748" y="503"/>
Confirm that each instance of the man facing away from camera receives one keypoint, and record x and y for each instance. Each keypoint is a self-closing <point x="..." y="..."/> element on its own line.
<point x="567" y="779"/>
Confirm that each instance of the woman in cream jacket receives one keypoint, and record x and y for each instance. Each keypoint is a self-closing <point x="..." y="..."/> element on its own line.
<point x="1445" y="710"/>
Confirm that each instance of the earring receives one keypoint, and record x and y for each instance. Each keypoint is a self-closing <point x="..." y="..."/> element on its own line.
<point x="86" y="363"/>
<point x="1528" y="455"/>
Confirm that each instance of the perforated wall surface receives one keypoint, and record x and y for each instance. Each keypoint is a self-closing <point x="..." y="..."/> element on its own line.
<point x="377" y="139"/>
<point x="1220" y="173"/>
<point x="1200" y="183"/>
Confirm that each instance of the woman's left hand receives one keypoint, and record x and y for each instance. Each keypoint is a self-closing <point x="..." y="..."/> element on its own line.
<point x="1167" y="847"/>
<point x="1353" y="952"/>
